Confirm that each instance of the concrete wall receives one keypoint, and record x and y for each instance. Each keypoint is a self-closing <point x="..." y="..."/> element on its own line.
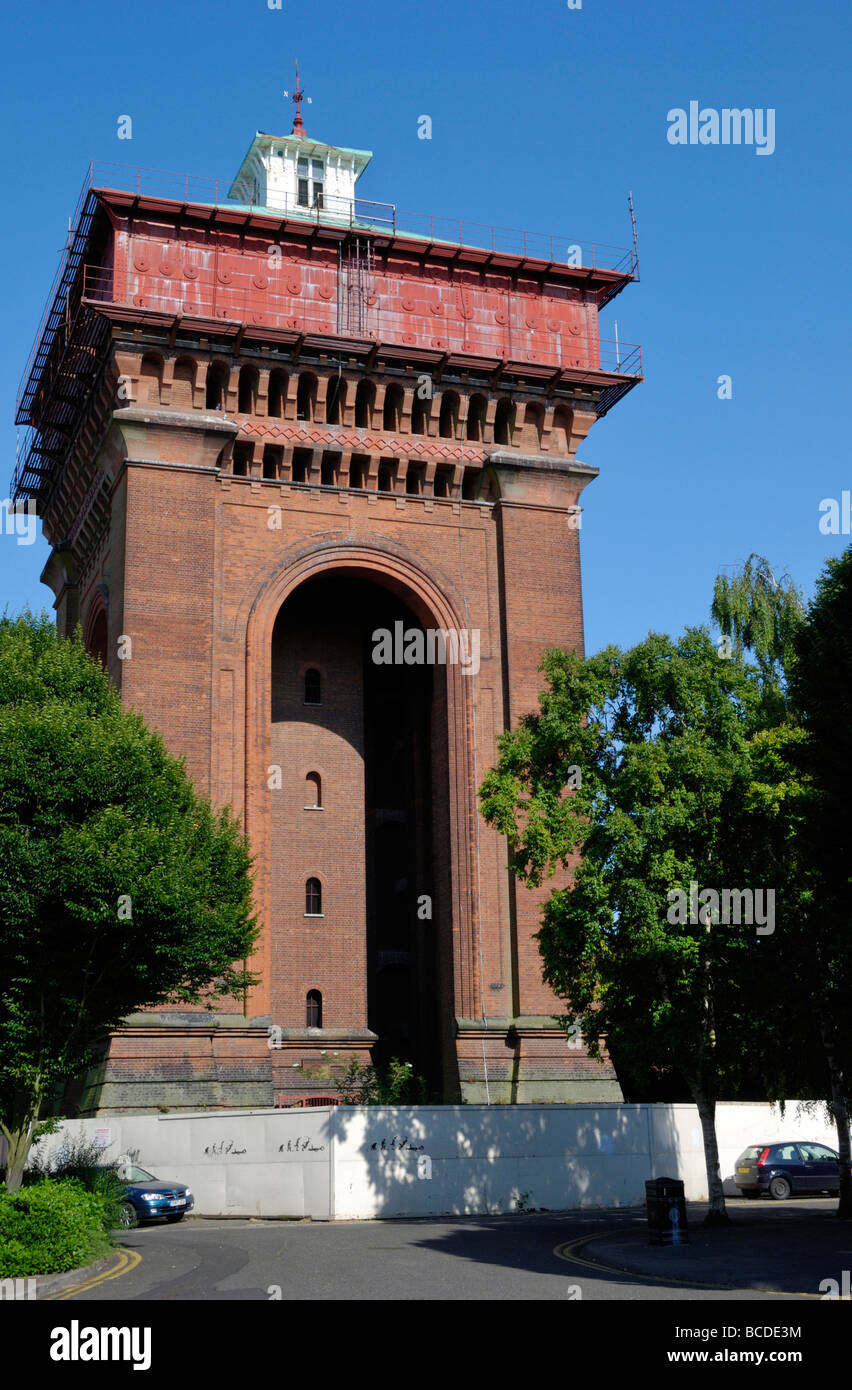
<point x="357" y="1163"/>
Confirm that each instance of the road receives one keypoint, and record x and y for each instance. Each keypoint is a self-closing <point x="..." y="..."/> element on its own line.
<point x="525" y="1257"/>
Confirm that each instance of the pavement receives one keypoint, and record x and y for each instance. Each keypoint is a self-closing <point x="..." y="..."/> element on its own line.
<point x="769" y="1247"/>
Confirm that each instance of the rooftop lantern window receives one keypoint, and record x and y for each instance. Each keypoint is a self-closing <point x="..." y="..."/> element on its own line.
<point x="311" y="174"/>
<point x="298" y="175"/>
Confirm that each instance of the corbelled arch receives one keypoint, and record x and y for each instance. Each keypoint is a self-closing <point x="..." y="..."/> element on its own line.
<point x="431" y="604"/>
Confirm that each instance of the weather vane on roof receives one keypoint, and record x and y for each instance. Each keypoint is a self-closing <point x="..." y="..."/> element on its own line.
<point x="298" y="97"/>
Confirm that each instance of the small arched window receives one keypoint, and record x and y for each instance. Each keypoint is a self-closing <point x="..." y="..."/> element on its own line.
<point x="392" y="411"/>
<point x="247" y="391"/>
<point x="476" y="417"/>
<point x="306" y="397"/>
<point x="217" y="386"/>
<point x="313" y="687"/>
<point x="313" y="792"/>
<point x="313" y="1009"/>
<point x="449" y="415"/>
<point x="504" y="422"/>
<point x="277" y="394"/>
<point x="313" y="898"/>
<point x="364" y="399"/>
<point x="419" y="415"/>
<point x="335" y="401"/>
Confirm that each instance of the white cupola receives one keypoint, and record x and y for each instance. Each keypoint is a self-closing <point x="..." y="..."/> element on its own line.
<point x="298" y="176"/>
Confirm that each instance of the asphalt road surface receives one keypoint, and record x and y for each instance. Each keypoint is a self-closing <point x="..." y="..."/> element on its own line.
<point x="526" y="1257"/>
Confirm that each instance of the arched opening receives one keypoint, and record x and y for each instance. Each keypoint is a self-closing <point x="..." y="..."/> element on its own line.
<point x="183" y="383"/>
<point x="476" y="418"/>
<point x="561" y="430"/>
<point x="247" y="391"/>
<point x="313" y="1009"/>
<point x="306" y="397"/>
<point x="335" y="401"/>
<point x="504" y="421"/>
<point x="313" y="898"/>
<point x="448" y="423"/>
<point x="150" y="378"/>
<point x="365" y="400"/>
<point x="276" y="399"/>
<point x="392" y="412"/>
<point x="533" y="422"/>
<point x="420" y="415"/>
<point x="96" y="642"/>
<point x="385" y="849"/>
<point x="216" y="393"/>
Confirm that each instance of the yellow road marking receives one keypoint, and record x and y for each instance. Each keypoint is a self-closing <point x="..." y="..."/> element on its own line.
<point x="125" y="1260"/>
<point x="566" y="1252"/>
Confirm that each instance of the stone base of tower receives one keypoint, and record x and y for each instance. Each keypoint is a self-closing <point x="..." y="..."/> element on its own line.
<point x="180" y="1062"/>
<point x="162" y="1062"/>
<point x="528" y="1061"/>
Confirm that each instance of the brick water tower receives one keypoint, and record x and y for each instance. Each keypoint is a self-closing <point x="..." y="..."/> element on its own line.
<point x="266" y="423"/>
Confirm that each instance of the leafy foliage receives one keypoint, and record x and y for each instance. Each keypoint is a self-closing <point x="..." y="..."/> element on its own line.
<point x="49" y="1228"/>
<point x="761" y="614"/>
<point x="83" y="1161"/>
<point x="661" y="735"/>
<point x="119" y="885"/>
<point x="393" y="1085"/>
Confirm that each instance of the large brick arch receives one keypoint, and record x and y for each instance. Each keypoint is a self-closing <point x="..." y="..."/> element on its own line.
<point x="412" y="583"/>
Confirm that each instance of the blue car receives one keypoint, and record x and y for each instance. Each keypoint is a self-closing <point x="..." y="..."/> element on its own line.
<point x="782" y="1169"/>
<point x="148" y="1197"/>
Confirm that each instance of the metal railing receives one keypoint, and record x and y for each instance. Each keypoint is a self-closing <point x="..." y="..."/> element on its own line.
<point x="367" y="213"/>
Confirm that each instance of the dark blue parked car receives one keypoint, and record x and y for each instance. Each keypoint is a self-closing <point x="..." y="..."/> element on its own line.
<point x="149" y="1197"/>
<point x="782" y="1169"/>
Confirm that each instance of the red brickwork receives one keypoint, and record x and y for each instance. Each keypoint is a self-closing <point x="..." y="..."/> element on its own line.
<point x="217" y="506"/>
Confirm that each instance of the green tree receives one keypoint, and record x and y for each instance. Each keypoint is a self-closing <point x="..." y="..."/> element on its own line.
<point x="659" y="738"/>
<point x="821" y="689"/>
<point x="800" y="811"/>
<point x="119" y="886"/>
<point x="761" y="614"/>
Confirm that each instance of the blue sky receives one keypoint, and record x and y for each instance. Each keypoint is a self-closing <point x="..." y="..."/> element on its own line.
<point x="543" y="117"/>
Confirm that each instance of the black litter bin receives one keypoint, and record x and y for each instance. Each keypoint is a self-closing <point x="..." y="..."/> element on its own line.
<point x="666" y="1206"/>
